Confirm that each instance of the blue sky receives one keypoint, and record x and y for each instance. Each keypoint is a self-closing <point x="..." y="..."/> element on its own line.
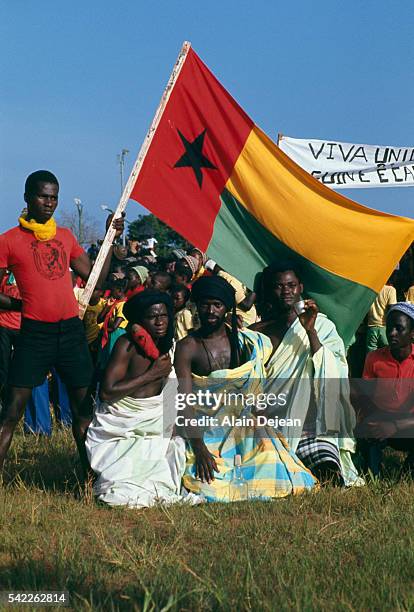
<point x="82" y="80"/>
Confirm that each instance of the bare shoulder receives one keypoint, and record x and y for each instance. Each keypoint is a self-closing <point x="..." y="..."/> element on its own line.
<point x="123" y="345"/>
<point x="187" y="344"/>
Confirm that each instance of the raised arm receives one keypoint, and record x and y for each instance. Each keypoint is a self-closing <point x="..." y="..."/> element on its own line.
<point x="308" y="320"/>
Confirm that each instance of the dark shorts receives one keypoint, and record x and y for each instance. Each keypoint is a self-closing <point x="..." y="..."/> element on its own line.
<point x="41" y="346"/>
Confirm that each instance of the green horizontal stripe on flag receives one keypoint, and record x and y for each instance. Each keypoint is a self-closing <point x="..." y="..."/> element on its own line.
<point x="243" y="247"/>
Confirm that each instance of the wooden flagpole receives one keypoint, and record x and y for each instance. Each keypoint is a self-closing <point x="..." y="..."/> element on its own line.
<point x="110" y="234"/>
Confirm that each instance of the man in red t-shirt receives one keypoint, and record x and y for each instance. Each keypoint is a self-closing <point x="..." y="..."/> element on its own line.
<point x="39" y="254"/>
<point x="388" y="403"/>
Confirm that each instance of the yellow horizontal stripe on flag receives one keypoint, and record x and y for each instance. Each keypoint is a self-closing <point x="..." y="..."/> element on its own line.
<point x="337" y="234"/>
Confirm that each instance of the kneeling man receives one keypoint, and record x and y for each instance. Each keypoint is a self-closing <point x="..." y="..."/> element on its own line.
<point x="130" y="443"/>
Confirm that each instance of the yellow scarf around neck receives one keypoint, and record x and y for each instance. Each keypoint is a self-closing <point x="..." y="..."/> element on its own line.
<point x="42" y="231"/>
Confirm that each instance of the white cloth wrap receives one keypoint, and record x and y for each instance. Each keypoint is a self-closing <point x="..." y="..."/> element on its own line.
<point x="322" y="378"/>
<point x="132" y="451"/>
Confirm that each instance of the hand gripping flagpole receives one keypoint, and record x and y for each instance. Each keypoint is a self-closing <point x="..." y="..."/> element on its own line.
<point x="110" y="234"/>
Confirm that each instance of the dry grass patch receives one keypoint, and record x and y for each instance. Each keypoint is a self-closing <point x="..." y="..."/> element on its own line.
<point x="337" y="549"/>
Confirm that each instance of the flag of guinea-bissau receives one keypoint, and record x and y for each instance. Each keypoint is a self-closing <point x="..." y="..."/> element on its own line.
<point x="212" y="175"/>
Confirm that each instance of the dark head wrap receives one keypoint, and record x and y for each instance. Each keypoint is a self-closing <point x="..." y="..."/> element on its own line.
<point x="135" y="308"/>
<point x="214" y="287"/>
<point x="217" y="288"/>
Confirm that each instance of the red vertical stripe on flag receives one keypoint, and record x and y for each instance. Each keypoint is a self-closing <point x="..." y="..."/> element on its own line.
<point x="192" y="154"/>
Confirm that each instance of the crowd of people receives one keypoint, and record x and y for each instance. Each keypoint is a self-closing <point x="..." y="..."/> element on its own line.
<point x="179" y="376"/>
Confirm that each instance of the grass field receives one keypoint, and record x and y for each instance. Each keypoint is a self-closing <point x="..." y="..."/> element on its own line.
<point x="336" y="549"/>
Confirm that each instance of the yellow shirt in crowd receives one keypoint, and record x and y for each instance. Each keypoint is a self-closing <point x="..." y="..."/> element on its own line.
<point x="118" y="313"/>
<point x="185" y="321"/>
<point x="377" y="313"/>
<point x="409" y="296"/>
<point x="90" y="320"/>
<point x="249" y="317"/>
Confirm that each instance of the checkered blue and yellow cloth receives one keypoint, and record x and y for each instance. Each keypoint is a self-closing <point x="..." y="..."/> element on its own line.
<point x="270" y="468"/>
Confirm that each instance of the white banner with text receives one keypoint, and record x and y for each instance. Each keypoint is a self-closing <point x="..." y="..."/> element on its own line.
<point x="342" y="165"/>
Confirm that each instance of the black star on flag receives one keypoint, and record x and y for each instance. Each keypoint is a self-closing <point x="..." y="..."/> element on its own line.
<point x="193" y="156"/>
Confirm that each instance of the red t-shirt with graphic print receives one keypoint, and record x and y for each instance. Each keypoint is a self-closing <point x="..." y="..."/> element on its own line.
<point x="41" y="269"/>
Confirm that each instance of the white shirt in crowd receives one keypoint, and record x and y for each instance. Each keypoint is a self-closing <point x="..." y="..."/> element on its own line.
<point x="150" y="243"/>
